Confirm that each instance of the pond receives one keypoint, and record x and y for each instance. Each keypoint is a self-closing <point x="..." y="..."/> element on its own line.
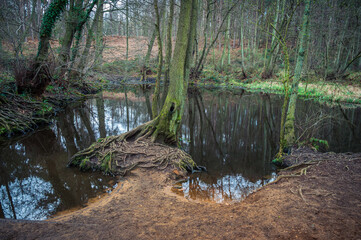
<point x="234" y="134"/>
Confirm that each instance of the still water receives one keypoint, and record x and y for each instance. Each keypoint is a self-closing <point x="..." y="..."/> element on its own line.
<point x="233" y="134"/>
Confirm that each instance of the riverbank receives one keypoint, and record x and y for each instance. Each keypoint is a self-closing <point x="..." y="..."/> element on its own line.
<point x="20" y="114"/>
<point x="346" y="91"/>
<point x="343" y="92"/>
<point x="322" y="203"/>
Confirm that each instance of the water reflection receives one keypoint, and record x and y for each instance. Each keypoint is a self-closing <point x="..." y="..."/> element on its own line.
<point x="227" y="188"/>
<point x="233" y="134"/>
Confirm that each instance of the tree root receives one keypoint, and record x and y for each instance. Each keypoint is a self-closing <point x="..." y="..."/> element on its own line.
<point x="300" y="192"/>
<point x="301" y="172"/>
<point x="299" y="165"/>
<point x="116" y="156"/>
<point x="18" y="114"/>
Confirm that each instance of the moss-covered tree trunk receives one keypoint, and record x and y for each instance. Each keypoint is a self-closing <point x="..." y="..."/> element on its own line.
<point x="71" y="22"/>
<point x="290" y="118"/>
<point x="168" y="54"/>
<point x="99" y="35"/>
<point x="192" y="38"/>
<point x="37" y="78"/>
<point x="168" y="122"/>
<point x="165" y="126"/>
<point x="156" y="93"/>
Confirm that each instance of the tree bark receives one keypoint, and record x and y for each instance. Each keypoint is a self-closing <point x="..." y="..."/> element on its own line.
<point x="156" y="93"/>
<point x="168" y="54"/>
<point x="99" y="41"/>
<point x="84" y="57"/>
<point x="167" y="124"/>
<point x="290" y="137"/>
<point x="71" y="22"/>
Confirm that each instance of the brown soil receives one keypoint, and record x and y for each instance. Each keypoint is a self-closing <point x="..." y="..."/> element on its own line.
<point x="323" y="203"/>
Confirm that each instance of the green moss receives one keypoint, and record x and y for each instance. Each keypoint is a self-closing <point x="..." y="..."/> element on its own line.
<point x="277" y="161"/>
<point x="106" y="164"/>
<point x="84" y="164"/>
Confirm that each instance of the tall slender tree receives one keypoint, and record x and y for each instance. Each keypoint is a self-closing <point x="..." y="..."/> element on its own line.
<point x="290" y="137"/>
<point x="156" y="93"/>
<point x="168" y="54"/>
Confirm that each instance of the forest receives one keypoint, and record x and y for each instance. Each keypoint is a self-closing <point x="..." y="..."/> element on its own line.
<point x="180" y="119"/>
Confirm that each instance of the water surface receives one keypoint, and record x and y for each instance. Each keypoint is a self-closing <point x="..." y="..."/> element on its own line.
<point x="234" y="134"/>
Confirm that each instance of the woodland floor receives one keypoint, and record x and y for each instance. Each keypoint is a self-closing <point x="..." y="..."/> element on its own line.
<point x="325" y="203"/>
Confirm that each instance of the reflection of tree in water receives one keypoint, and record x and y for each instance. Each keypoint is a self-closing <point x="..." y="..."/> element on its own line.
<point x="34" y="179"/>
<point x="24" y="171"/>
<point x="101" y="117"/>
<point x="235" y="136"/>
<point x="338" y="125"/>
<point x="219" y="188"/>
<point x="232" y="136"/>
<point x="231" y="133"/>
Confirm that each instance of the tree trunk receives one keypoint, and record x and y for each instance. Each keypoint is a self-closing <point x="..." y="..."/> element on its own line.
<point x="268" y="71"/>
<point x="127" y="29"/>
<point x="84" y="57"/>
<point x="79" y="28"/>
<point x="101" y="117"/>
<point x="169" y="119"/>
<point x="168" y="55"/>
<point x="229" y="40"/>
<point x="156" y="93"/>
<point x="71" y="22"/>
<point x="242" y="42"/>
<point x="290" y="137"/>
<point x="37" y="78"/>
<point x="145" y="67"/>
<point x="99" y="42"/>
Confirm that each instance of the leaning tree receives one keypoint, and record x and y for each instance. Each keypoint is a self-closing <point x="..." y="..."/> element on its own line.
<point x="37" y="78"/>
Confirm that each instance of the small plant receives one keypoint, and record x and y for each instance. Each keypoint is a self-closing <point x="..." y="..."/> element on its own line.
<point x="319" y="144"/>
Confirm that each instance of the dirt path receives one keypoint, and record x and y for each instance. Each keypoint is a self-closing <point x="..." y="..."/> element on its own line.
<point x="323" y="204"/>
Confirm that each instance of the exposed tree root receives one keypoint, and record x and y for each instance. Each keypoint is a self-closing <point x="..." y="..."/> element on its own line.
<point x="302" y="171"/>
<point x="299" y="165"/>
<point x="115" y="155"/>
<point x="18" y="114"/>
<point x="300" y="192"/>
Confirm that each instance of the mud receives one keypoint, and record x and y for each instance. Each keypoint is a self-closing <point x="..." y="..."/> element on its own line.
<point x="323" y="203"/>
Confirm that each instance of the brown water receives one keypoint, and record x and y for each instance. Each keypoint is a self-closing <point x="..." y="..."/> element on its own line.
<point x="234" y="134"/>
